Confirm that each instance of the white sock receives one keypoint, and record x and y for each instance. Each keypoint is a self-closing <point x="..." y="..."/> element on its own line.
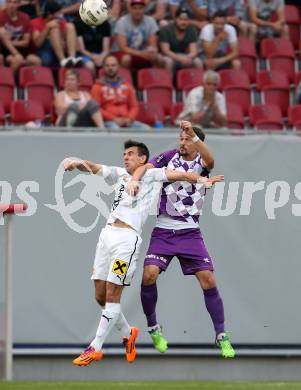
<point x="107" y="321"/>
<point x="155" y="327"/>
<point x="123" y="326"/>
<point x="220" y="336"/>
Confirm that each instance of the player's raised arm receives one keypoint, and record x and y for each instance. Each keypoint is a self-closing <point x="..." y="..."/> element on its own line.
<point x="192" y="177"/>
<point x="201" y="147"/>
<point x="82" y="165"/>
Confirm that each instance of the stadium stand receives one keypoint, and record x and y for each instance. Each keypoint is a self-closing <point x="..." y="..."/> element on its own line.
<point x="2" y="114"/>
<point x="294" y="117"/>
<point x="270" y="74"/>
<point x="150" y="113"/>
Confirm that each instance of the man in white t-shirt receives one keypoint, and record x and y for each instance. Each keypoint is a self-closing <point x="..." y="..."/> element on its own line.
<point x="219" y="44"/>
<point x="119" y="241"/>
<point x="205" y="106"/>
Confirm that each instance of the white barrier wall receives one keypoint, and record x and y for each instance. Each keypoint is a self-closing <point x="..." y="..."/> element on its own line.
<point x="254" y="240"/>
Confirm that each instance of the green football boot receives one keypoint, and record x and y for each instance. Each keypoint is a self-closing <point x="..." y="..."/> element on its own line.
<point x="160" y="342"/>
<point x="225" y="346"/>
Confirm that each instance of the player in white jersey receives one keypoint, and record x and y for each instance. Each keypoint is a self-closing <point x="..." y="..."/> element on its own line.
<point x="177" y="233"/>
<point x="119" y="241"/>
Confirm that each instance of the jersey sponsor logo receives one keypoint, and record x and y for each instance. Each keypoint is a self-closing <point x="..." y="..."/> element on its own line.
<point x="156" y="257"/>
<point x="120" y="267"/>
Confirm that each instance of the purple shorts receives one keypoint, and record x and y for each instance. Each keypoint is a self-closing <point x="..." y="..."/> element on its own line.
<point x="186" y="244"/>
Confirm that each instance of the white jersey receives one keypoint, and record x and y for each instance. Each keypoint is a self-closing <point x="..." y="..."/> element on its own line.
<point x="133" y="210"/>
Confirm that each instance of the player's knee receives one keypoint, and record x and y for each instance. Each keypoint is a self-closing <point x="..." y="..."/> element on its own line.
<point x="150" y="277"/>
<point x="207" y="279"/>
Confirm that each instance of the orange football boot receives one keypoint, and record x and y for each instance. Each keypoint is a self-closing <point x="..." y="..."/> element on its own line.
<point x="129" y="344"/>
<point x="88" y="356"/>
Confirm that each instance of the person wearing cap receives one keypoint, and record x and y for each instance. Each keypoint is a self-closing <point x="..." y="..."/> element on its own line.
<point x="16" y="36"/>
<point x="53" y="35"/>
<point x="136" y="39"/>
<point x="178" y="42"/>
<point x="198" y="10"/>
<point x="219" y="44"/>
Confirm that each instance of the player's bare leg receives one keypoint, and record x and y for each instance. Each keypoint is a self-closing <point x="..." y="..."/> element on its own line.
<point x="149" y="296"/>
<point x="215" y="307"/>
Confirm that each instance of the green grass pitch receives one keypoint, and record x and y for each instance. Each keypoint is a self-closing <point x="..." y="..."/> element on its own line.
<point x="163" y="385"/>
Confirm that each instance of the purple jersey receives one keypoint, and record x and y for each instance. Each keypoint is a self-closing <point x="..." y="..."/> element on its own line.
<point x="181" y="202"/>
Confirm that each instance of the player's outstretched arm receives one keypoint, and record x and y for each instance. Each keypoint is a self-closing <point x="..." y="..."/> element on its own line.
<point x="202" y="148"/>
<point x="82" y="165"/>
<point x="192" y="177"/>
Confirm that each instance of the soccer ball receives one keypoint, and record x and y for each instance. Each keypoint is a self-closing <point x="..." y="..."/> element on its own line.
<point x="93" y="12"/>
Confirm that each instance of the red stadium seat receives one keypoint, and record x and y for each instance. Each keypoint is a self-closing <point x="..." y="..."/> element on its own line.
<point x="86" y="78"/>
<point x="297" y="78"/>
<point x="279" y="53"/>
<point x="23" y="111"/>
<point x="156" y="85"/>
<point x="192" y="77"/>
<point x="176" y="109"/>
<point x="149" y="113"/>
<point x="266" y="117"/>
<point x="293" y="20"/>
<point x="154" y="77"/>
<point x="7" y="87"/>
<point x="270" y="78"/>
<point x="39" y="75"/>
<point x="164" y="95"/>
<point x="239" y="96"/>
<point x="41" y="93"/>
<point x="248" y="57"/>
<point x="123" y="72"/>
<point x="294" y="116"/>
<point x="2" y="115"/>
<point x="279" y="96"/>
<point x="234" y="78"/>
<point x="235" y="116"/>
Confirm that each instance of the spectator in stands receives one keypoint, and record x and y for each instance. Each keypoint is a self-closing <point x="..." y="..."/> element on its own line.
<point x="205" y="106"/>
<point x="93" y="43"/>
<point x="262" y="13"/>
<point x="17" y="30"/>
<point x="75" y="107"/>
<point x="158" y="10"/>
<point x="178" y="42"/>
<point x="298" y="93"/>
<point x="219" y="44"/>
<point x="31" y="8"/>
<point x="117" y="98"/>
<point x="70" y="9"/>
<point x="235" y="11"/>
<point x="198" y="8"/>
<point x="52" y="35"/>
<point x="136" y="39"/>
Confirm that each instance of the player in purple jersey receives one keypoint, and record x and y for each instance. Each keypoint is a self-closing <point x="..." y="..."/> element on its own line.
<point x="177" y="233"/>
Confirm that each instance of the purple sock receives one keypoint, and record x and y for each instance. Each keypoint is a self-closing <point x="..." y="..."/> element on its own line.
<point x="215" y="307"/>
<point x="149" y="296"/>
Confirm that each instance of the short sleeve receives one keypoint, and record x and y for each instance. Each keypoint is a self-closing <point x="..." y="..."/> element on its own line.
<point x="156" y="174"/>
<point x="163" y="35"/>
<point x="207" y="33"/>
<point x="161" y="160"/>
<point x="120" y="27"/>
<point x="221" y="104"/>
<point x="110" y="174"/>
<point x="152" y="25"/>
<point x="232" y="34"/>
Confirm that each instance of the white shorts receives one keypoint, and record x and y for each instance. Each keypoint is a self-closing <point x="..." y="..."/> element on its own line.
<point x="116" y="255"/>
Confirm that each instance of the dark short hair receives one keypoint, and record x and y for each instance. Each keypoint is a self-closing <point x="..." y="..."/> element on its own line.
<point x="142" y="148"/>
<point x="108" y="56"/>
<point x="199" y="132"/>
<point x="219" y="14"/>
<point x="51" y="7"/>
<point x="183" y="10"/>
